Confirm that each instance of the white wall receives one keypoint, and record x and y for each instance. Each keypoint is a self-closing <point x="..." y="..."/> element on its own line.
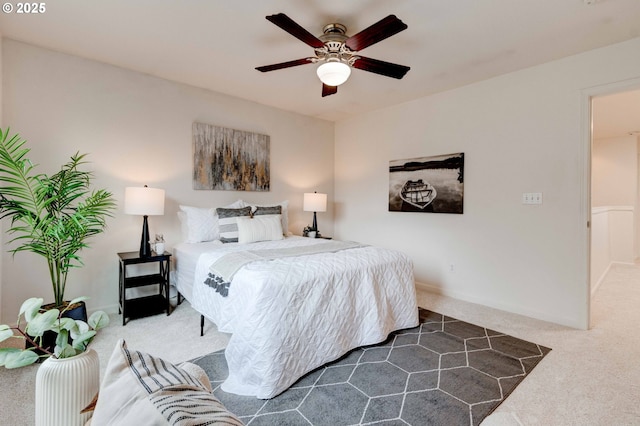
<point x="137" y="130"/>
<point x="612" y="240"/>
<point x="614" y="175"/>
<point x="520" y="132"/>
<point x="614" y="189"/>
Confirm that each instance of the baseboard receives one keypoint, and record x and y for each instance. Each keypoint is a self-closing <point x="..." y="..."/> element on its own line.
<point x="601" y="279"/>
<point x="108" y="309"/>
<point x="514" y="309"/>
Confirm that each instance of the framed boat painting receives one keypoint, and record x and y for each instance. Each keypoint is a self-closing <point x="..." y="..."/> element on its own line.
<point x="427" y="184"/>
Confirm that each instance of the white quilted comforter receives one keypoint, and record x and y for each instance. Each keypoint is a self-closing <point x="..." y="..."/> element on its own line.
<point x="289" y="316"/>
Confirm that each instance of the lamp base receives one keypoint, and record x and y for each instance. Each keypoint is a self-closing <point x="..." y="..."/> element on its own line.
<point x="145" y="246"/>
<point x="314" y="227"/>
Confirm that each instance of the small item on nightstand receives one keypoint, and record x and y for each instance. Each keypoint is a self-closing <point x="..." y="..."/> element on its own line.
<point x="158" y="244"/>
<point x="311" y="234"/>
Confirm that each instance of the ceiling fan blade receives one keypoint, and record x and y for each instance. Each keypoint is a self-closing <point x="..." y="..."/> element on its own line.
<point x="290" y="26"/>
<point x="377" y="32"/>
<point x="381" y="67"/>
<point x="287" y="64"/>
<point x="329" y="90"/>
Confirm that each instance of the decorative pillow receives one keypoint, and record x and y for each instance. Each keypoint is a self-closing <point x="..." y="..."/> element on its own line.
<point x="259" y="211"/>
<point x="200" y="224"/>
<point x="259" y="228"/>
<point x="284" y="206"/>
<point x="227" y="221"/>
<point x="138" y="388"/>
<point x="198" y="373"/>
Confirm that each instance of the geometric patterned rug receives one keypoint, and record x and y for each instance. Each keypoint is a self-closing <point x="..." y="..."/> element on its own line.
<point x="443" y="372"/>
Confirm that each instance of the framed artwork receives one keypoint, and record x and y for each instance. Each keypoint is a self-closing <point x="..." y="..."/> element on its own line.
<point x="229" y="159"/>
<point x="427" y="184"/>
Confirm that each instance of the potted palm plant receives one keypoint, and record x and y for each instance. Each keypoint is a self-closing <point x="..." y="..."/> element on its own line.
<point x="51" y="216"/>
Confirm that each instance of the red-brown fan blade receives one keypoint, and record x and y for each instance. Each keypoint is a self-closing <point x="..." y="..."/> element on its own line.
<point x="329" y="90"/>
<point x="381" y="67"/>
<point x="281" y="65"/>
<point x="290" y="26"/>
<point x="377" y="32"/>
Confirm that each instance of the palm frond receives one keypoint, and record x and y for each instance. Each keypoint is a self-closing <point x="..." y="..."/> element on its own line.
<point x="51" y="216"/>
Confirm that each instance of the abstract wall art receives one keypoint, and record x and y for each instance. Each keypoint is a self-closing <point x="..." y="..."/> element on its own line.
<point x="229" y="160"/>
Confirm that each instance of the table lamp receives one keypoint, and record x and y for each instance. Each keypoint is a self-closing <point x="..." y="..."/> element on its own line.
<point x="144" y="201"/>
<point x="314" y="202"/>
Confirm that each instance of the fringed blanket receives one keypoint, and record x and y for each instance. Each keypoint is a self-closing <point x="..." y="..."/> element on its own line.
<point x="221" y="271"/>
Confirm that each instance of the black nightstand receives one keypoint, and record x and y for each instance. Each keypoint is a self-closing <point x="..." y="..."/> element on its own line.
<point x="148" y="305"/>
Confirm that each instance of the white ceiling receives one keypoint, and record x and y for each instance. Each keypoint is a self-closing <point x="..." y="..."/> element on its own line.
<point x="616" y="115"/>
<point x="216" y="44"/>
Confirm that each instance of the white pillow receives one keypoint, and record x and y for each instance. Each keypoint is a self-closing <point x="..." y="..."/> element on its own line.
<point x="200" y="224"/>
<point x="259" y="228"/>
<point x="227" y="220"/>
<point x="284" y="216"/>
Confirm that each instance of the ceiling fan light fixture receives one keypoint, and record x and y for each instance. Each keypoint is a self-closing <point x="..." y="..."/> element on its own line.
<point x="333" y="73"/>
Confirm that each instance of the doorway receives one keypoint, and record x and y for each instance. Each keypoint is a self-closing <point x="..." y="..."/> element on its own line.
<point x="614" y="183"/>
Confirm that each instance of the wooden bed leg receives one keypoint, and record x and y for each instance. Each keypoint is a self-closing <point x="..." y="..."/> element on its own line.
<point x="201" y="325"/>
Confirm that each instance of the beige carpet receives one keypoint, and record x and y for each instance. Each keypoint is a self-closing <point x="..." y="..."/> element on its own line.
<point x="590" y="378"/>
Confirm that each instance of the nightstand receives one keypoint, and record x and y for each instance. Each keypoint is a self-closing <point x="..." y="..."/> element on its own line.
<point x="320" y="237"/>
<point x="147" y="305"/>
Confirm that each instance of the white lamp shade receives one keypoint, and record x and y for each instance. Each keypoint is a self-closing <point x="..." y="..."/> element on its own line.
<point x="333" y="73"/>
<point x="314" y="202"/>
<point x="144" y="201"/>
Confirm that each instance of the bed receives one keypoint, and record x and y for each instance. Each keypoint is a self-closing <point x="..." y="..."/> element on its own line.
<point x="289" y="315"/>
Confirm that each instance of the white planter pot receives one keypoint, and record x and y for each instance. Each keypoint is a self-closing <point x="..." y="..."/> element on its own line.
<point x="64" y="387"/>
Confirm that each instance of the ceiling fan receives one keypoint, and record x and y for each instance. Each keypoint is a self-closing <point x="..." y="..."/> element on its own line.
<point x="336" y="52"/>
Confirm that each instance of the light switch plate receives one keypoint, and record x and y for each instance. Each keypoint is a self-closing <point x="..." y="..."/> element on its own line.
<point x="532" y="198"/>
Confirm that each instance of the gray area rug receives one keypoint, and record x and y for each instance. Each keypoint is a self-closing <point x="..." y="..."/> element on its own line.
<point x="443" y="372"/>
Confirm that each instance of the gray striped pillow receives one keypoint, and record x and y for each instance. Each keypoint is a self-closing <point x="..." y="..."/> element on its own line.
<point x="227" y="221"/>
<point x="177" y="395"/>
<point x="186" y="407"/>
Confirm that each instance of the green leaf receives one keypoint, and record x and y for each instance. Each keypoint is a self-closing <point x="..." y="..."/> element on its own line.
<point x="5" y="332"/>
<point x="67" y="323"/>
<point x="30" y="308"/>
<point x="62" y="339"/>
<point x="83" y="340"/>
<point x="6" y="353"/>
<point x="21" y="359"/>
<point x="80" y="328"/>
<point x="67" y="352"/>
<point x="98" y="320"/>
<point x="43" y="322"/>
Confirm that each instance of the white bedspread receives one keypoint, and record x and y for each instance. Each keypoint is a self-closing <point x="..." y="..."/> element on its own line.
<point x="289" y="316"/>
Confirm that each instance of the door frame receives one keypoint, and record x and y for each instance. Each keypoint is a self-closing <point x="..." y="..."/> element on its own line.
<point x="586" y="137"/>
